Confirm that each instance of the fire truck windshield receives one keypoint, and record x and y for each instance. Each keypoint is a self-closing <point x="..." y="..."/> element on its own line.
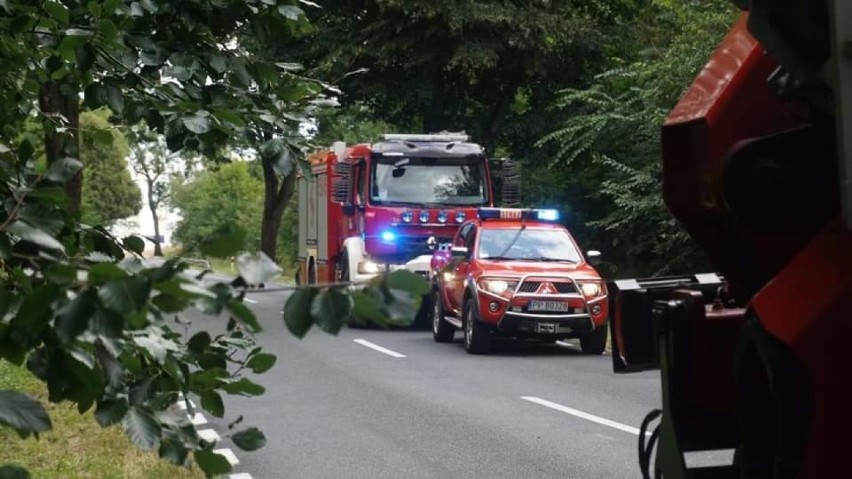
<point x="429" y="181"/>
<point x="528" y="244"/>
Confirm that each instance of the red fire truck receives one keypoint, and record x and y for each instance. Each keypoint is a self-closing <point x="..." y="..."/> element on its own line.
<point x="368" y="208"/>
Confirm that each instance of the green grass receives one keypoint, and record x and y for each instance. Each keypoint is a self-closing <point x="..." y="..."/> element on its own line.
<point x="77" y="447"/>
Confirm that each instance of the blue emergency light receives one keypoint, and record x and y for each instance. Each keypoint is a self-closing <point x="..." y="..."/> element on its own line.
<point x="518" y="213"/>
<point x="388" y="236"/>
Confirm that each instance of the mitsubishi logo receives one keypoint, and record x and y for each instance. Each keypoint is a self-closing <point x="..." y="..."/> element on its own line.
<point x="546" y="288"/>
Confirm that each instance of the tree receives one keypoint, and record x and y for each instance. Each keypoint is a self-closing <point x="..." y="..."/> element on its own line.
<point x="151" y="160"/>
<point x="230" y="193"/>
<point x="79" y="307"/>
<point x="109" y="193"/>
<point x="611" y="136"/>
<point x="451" y="65"/>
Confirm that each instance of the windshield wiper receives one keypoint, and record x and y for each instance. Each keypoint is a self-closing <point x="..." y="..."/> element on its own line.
<point x="550" y="260"/>
<point x="500" y="258"/>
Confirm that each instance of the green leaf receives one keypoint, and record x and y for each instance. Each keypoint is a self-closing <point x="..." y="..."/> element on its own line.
<point x="157" y="345"/>
<point x="95" y="95"/>
<point x="226" y="241"/>
<point x="207" y="379"/>
<point x="23" y="413"/>
<point x="125" y="296"/>
<point x="199" y="341"/>
<point x="408" y="281"/>
<point x="211" y="463"/>
<point x="63" y="169"/>
<point x="107" y="323"/>
<point x="115" y="99"/>
<point x="61" y="273"/>
<point x="73" y="318"/>
<point x="35" y="235"/>
<point x="244" y="314"/>
<point x="35" y="311"/>
<point x="260" y="363"/>
<point x="111" y="411"/>
<point x="173" y="450"/>
<point x="57" y="11"/>
<point x="169" y="304"/>
<point x="330" y="310"/>
<point x="85" y="57"/>
<point x="291" y="12"/>
<point x="13" y="472"/>
<point x="366" y="308"/>
<point x="68" y="47"/>
<point x="250" y="439"/>
<point x="211" y="401"/>
<point x="197" y="124"/>
<point x="142" y="429"/>
<point x="100" y="273"/>
<point x="229" y="116"/>
<point x="297" y="311"/>
<point x="53" y="194"/>
<point x="135" y="244"/>
<point x="243" y="387"/>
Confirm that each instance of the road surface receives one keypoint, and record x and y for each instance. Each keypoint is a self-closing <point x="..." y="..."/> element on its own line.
<point x="373" y="403"/>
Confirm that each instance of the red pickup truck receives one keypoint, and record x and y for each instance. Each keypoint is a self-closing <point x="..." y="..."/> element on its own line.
<point x="517" y="273"/>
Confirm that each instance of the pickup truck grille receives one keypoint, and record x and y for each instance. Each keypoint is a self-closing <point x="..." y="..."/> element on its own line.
<point x="561" y="287"/>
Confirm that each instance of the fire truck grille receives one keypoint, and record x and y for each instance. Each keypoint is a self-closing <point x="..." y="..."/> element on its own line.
<point x="565" y="288"/>
<point x="529" y="287"/>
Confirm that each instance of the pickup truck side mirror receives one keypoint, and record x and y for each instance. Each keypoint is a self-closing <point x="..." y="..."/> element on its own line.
<point x="459" y="252"/>
<point x="594" y="257"/>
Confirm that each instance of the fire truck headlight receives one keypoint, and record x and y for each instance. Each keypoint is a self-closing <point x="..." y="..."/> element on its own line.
<point x="424" y="216"/>
<point x="369" y="267"/>
<point x="388" y="236"/>
<point x="591" y="289"/>
<point x="460" y="216"/>
<point x="442" y="216"/>
<point x="407" y="216"/>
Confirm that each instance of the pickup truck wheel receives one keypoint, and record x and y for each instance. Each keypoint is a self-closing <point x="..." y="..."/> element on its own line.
<point x="477" y="337"/>
<point x="594" y="342"/>
<point x="442" y="331"/>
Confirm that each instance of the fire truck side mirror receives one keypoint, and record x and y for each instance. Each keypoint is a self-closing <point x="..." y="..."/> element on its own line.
<point x="459" y="252"/>
<point x="348" y="209"/>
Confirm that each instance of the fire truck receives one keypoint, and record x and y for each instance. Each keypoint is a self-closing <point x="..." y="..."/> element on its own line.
<point x="757" y="167"/>
<point x="369" y="208"/>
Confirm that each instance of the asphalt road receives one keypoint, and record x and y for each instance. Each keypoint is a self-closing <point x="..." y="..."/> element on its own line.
<point x="337" y="407"/>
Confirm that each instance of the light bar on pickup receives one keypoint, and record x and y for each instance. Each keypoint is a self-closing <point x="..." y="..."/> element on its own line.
<point x="518" y="213"/>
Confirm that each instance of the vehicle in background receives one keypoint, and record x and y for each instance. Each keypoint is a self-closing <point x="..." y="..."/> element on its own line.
<point x="517" y="273"/>
<point x="370" y="208"/>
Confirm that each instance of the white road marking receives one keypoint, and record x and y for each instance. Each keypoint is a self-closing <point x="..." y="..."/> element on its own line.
<point x="227" y="454"/>
<point x="208" y="435"/>
<point x="364" y="342"/>
<point x="198" y="419"/>
<point x="248" y="300"/>
<point x="583" y="415"/>
<point x="565" y="344"/>
<point x="241" y="475"/>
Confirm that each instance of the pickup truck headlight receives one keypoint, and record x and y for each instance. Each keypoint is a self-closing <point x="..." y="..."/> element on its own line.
<point x="497" y="286"/>
<point x="591" y="290"/>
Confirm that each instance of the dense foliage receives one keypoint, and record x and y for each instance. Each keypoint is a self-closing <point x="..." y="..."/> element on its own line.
<point x="103" y="328"/>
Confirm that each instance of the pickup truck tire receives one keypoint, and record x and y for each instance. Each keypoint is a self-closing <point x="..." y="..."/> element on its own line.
<point x="477" y="337"/>
<point x="594" y="342"/>
<point x="442" y="331"/>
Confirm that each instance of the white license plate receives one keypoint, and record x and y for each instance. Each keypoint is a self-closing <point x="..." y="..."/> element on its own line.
<point x="549" y="306"/>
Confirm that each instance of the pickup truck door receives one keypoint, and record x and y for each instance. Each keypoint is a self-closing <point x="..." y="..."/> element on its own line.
<point x="459" y="267"/>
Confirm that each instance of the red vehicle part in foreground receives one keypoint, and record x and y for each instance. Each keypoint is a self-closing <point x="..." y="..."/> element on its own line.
<point x="751" y="173"/>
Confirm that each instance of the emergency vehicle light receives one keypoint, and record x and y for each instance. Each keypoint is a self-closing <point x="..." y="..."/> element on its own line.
<point x="388" y="236"/>
<point x="517" y="214"/>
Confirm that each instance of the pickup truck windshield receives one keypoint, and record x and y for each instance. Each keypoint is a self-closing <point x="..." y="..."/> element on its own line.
<point x="429" y="181"/>
<point x="528" y="244"/>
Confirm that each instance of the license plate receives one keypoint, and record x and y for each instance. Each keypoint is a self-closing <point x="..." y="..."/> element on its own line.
<point x="547" y="328"/>
<point x="549" y="306"/>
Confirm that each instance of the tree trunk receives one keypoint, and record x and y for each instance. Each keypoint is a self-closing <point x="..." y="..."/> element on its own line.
<point x="63" y="109"/>
<point x="152" y="205"/>
<point x="433" y="113"/>
<point x="275" y="199"/>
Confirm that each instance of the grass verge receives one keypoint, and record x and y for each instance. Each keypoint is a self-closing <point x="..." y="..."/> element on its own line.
<point x="77" y="447"/>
